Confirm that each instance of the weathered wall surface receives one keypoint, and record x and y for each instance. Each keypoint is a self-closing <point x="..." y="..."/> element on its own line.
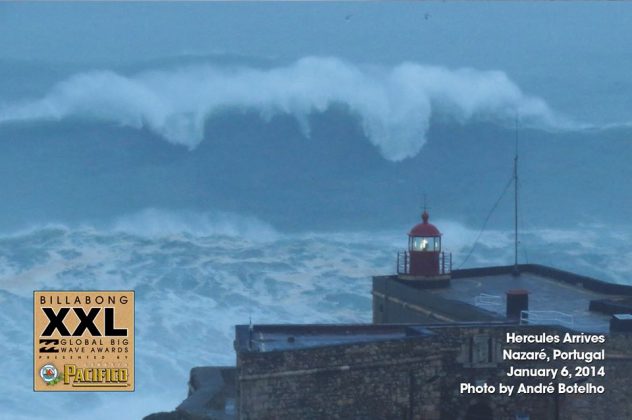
<point x="418" y="378"/>
<point x="616" y="402"/>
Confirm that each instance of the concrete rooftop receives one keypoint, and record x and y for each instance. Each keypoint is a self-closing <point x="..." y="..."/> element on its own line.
<point x="551" y="301"/>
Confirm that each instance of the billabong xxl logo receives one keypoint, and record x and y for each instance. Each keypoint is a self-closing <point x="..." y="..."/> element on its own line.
<point x="86" y="322"/>
<point x="84" y="341"/>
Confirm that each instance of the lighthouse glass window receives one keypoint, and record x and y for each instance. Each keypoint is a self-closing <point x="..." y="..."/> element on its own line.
<point x="421" y="243"/>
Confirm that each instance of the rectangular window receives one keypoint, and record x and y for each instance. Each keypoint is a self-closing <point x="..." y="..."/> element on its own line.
<point x="421" y="243"/>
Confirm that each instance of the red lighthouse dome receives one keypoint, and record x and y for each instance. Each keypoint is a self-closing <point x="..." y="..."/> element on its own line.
<point x="424" y="228"/>
<point x="424" y="259"/>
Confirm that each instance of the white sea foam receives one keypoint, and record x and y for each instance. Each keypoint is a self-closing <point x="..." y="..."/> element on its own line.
<point x="192" y="287"/>
<point x="159" y="222"/>
<point x="394" y="104"/>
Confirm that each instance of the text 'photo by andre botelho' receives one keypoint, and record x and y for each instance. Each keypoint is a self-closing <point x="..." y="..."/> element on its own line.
<point x="316" y="210"/>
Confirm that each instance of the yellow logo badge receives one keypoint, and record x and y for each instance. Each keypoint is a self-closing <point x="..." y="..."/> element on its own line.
<point x="84" y="341"/>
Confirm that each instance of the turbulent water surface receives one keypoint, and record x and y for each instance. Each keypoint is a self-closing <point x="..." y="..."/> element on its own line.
<point x="237" y="161"/>
<point x="196" y="275"/>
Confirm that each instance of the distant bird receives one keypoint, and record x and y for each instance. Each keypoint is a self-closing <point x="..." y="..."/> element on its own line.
<point x="426" y="16"/>
<point x="348" y="17"/>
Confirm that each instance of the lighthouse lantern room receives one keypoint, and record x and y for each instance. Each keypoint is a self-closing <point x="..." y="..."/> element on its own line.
<point x="424" y="260"/>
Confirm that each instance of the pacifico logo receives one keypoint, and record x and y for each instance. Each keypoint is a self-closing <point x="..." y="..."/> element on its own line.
<point x="84" y="341"/>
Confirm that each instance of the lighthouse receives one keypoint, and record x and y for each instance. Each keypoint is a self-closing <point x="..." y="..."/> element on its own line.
<point x="424" y="262"/>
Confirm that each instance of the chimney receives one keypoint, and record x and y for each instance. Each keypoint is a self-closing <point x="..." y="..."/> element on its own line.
<point x="517" y="301"/>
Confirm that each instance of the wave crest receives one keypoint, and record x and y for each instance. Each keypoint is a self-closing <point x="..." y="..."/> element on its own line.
<point x="394" y="104"/>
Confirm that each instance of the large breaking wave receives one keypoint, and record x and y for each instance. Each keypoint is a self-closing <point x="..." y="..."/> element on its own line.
<point x="394" y="105"/>
<point x="197" y="274"/>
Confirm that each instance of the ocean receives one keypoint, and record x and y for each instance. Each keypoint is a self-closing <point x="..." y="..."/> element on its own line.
<point x="229" y="193"/>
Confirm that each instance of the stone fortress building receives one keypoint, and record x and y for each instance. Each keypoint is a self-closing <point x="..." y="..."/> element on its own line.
<point x="440" y="339"/>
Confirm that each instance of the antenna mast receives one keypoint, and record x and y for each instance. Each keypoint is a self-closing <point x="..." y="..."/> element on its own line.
<point x="515" y="177"/>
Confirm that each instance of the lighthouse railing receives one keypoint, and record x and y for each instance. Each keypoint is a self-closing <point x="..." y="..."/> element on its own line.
<point x="402" y="262"/>
<point x="446" y="263"/>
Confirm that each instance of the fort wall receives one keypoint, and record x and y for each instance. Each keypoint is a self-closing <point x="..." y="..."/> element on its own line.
<point x="418" y="377"/>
